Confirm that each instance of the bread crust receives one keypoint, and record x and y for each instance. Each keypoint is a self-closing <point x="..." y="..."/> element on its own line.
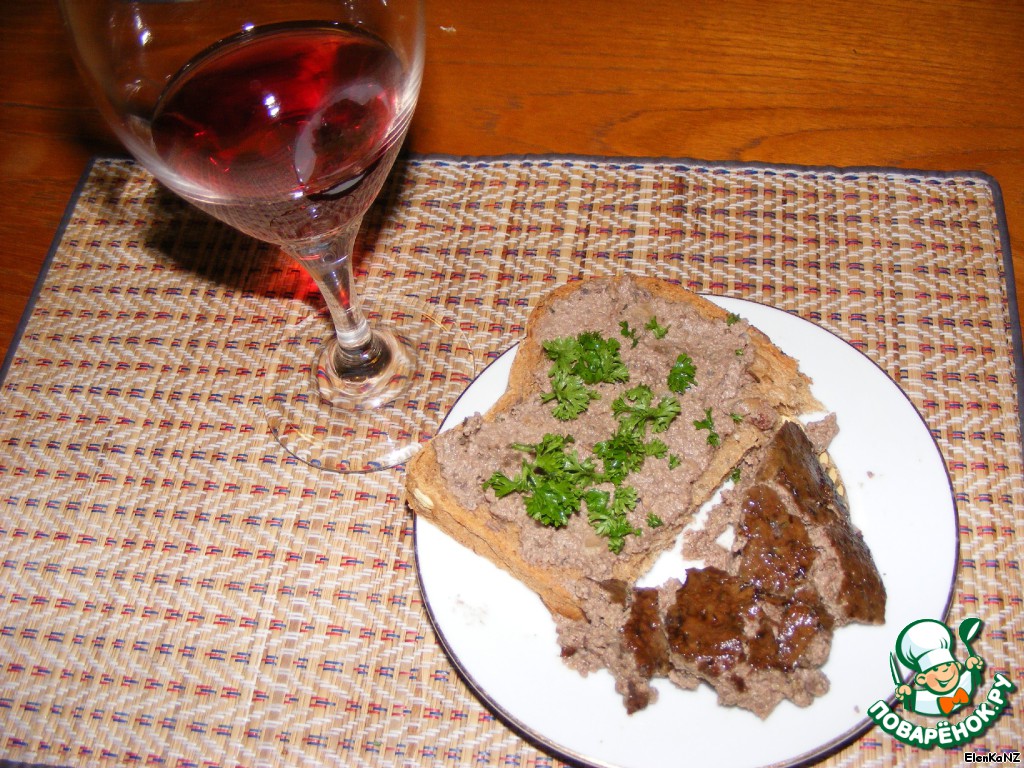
<point x="428" y="493"/>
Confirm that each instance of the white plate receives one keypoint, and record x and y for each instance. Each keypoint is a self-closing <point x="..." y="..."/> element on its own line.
<point x="502" y="639"/>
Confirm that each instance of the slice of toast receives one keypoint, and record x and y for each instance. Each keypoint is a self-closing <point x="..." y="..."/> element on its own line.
<point x="745" y="389"/>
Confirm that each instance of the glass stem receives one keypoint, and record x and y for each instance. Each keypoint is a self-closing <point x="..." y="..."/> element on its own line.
<point x="360" y="353"/>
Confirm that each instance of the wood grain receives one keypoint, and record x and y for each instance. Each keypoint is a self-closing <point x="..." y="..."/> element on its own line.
<point x="927" y="85"/>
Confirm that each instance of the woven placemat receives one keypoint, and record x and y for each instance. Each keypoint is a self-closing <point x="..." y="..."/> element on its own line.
<point x="176" y="591"/>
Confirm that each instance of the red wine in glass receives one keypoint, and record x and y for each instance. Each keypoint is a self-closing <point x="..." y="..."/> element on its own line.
<point x="285" y="133"/>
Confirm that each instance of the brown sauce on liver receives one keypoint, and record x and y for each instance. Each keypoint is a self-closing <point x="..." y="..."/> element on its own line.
<point x="644" y="635"/>
<point x="768" y="612"/>
<point x="706" y="623"/>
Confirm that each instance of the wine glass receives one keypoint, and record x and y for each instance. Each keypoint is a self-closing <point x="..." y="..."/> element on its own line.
<point x="283" y="118"/>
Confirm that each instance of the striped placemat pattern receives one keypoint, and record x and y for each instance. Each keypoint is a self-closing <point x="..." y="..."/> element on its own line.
<point x="175" y="590"/>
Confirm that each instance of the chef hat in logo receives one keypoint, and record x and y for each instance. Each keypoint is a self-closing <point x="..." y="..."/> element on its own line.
<point x="925" y="644"/>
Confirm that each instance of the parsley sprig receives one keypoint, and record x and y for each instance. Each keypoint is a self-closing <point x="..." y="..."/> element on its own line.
<point x="683" y="374"/>
<point x="556" y="484"/>
<point x="660" y="331"/>
<point x="629" y="332"/>
<point x="578" y="363"/>
<point x="607" y="513"/>
<point x="553" y="483"/>
<point x="635" y="409"/>
<point x="708" y="423"/>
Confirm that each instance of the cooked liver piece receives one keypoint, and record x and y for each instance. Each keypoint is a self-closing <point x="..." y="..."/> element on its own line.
<point x="707" y="623"/>
<point x="778" y="553"/>
<point x="846" y="575"/>
<point x="643" y="634"/>
<point x="758" y="626"/>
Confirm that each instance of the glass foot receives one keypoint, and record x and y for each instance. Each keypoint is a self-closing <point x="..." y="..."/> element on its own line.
<point x="358" y="425"/>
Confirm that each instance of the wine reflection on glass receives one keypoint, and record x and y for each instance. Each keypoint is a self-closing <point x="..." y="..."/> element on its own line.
<point x="283" y="118"/>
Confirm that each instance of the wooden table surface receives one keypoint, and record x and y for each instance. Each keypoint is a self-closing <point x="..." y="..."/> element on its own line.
<point x="931" y="84"/>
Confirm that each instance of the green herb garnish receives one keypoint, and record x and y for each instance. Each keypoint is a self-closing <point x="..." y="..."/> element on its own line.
<point x="625" y="452"/>
<point x="553" y="483"/>
<point x="635" y="409"/>
<point x="607" y="514"/>
<point x="571" y="395"/>
<point x="578" y="362"/>
<point x="659" y="330"/>
<point x="556" y="484"/>
<point x="629" y="333"/>
<point x="708" y="423"/>
<point x="590" y="356"/>
<point x="683" y="374"/>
